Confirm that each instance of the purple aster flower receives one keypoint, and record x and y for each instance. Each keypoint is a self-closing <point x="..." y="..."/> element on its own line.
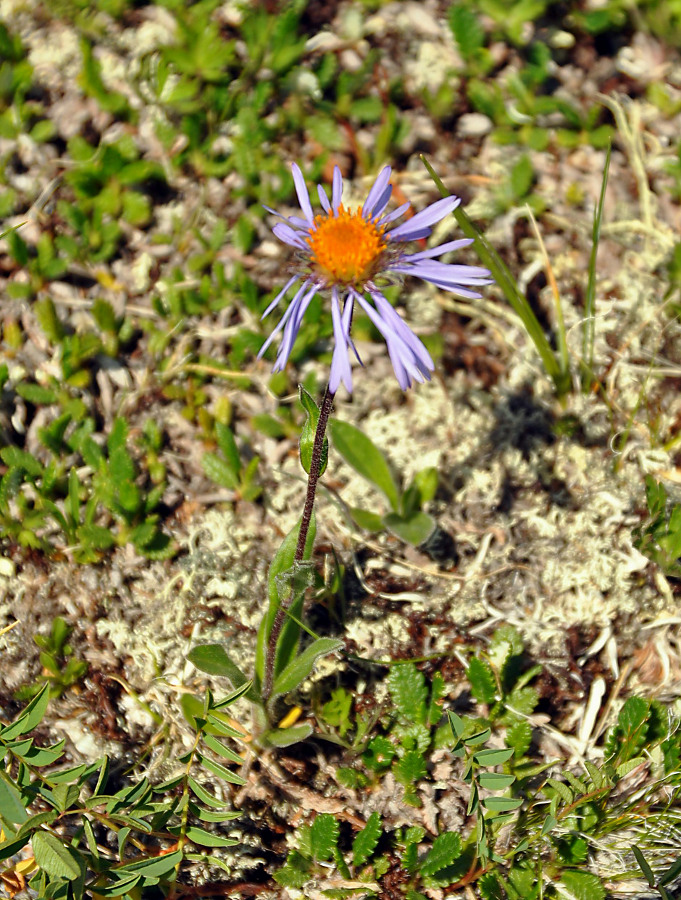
<point x="347" y="255"/>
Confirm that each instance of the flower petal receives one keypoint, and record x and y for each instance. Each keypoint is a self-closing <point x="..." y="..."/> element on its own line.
<point x="323" y="199"/>
<point x="286" y="234"/>
<point x="427" y="217"/>
<point x="281" y="293"/>
<point x="377" y="191"/>
<point x="293" y="326"/>
<point x="301" y="190"/>
<point x="437" y="251"/>
<point x="284" y="319"/>
<point x="340" y="363"/>
<point x="337" y="189"/>
<point x="395" y="214"/>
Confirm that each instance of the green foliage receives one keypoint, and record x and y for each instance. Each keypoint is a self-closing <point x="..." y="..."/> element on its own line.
<point x="227" y="469"/>
<point x="145" y="821"/>
<point x="61" y="669"/>
<point x="406" y="518"/>
<point x="660" y="538"/>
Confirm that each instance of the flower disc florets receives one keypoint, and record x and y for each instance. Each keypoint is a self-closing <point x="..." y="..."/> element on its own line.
<point x="344" y="253"/>
<point x="346" y="249"/>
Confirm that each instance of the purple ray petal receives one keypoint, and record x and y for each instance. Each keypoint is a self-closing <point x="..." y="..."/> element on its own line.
<point x="395" y="214"/>
<point x="281" y="293"/>
<point x="323" y="199"/>
<point x="427" y="217"/>
<point x="337" y="189"/>
<point x="284" y="319"/>
<point x="376" y="191"/>
<point x="437" y="251"/>
<point x="340" y="363"/>
<point x="286" y="234"/>
<point x="301" y="190"/>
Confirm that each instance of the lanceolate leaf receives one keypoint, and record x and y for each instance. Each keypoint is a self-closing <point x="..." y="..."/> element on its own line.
<point x="29" y="717"/>
<point x="53" y="857"/>
<point x="365" y="457"/>
<point x="301" y="666"/>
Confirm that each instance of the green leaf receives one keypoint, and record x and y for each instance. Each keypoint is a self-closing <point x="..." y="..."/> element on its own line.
<point x="301" y="666"/>
<point x="11" y="807"/>
<point x="157" y="866"/>
<point x="367" y="520"/>
<point x="36" y="394"/>
<point x="582" y="885"/>
<point x="467" y="31"/>
<point x="219" y="770"/>
<point x="204" y="795"/>
<point x="220" y="471"/>
<point x="493" y="757"/>
<point x="282" y="562"/>
<point x="366" y="840"/>
<point x="29" y="717"/>
<point x="411" y="768"/>
<point x="482" y="681"/>
<point x="207" y="839"/>
<point x="324" y="836"/>
<point x="221" y="749"/>
<point x="308" y="431"/>
<point x="409" y="693"/>
<point x="627" y="738"/>
<point x="363" y="455"/>
<point x="214" y="660"/>
<point x="519" y="736"/>
<point x="495" y="781"/>
<point x="53" y="857"/>
<point x="286" y="737"/>
<point x="522" y="176"/>
<point x="501" y="804"/>
<point x="22" y="459"/>
<point x="414" y="529"/>
<point x="445" y="850"/>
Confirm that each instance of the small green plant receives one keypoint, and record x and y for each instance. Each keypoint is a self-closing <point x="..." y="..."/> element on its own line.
<point x="61" y="669"/>
<point x="89" y="838"/>
<point x="227" y="469"/>
<point x="660" y="538"/>
<point x="359" y="871"/>
<point x="406" y="518"/>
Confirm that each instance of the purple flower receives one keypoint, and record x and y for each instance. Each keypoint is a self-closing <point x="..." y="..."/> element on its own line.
<point x="346" y="255"/>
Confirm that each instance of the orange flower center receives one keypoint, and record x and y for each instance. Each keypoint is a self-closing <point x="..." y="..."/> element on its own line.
<point x="346" y="248"/>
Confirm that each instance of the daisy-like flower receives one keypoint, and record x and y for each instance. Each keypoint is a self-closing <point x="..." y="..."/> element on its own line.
<point x="348" y="255"/>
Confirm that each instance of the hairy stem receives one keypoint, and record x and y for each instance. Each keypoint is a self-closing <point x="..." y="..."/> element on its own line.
<point x="312" y="478"/>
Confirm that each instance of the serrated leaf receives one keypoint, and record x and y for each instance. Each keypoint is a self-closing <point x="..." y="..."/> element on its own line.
<point x="53" y="857"/>
<point x="582" y="885"/>
<point x="324" y="836"/>
<point x="482" y="681"/>
<point x="410" y="769"/>
<point x="409" y="693"/>
<point x="36" y="393"/>
<point x="22" y="459"/>
<point x="366" y="840"/>
<point x="445" y="850"/>
<point x="519" y="736"/>
<point x="467" y="31"/>
<point x="628" y="736"/>
<point x="365" y="457"/>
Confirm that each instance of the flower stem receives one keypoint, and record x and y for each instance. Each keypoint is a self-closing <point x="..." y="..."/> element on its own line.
<point x="312" y="478"/>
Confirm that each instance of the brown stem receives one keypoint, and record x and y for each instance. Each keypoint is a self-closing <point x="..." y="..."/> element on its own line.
<point x="312" y="479"/>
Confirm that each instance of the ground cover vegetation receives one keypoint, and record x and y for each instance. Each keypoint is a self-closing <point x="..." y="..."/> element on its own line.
<point x="461" y="675"/>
